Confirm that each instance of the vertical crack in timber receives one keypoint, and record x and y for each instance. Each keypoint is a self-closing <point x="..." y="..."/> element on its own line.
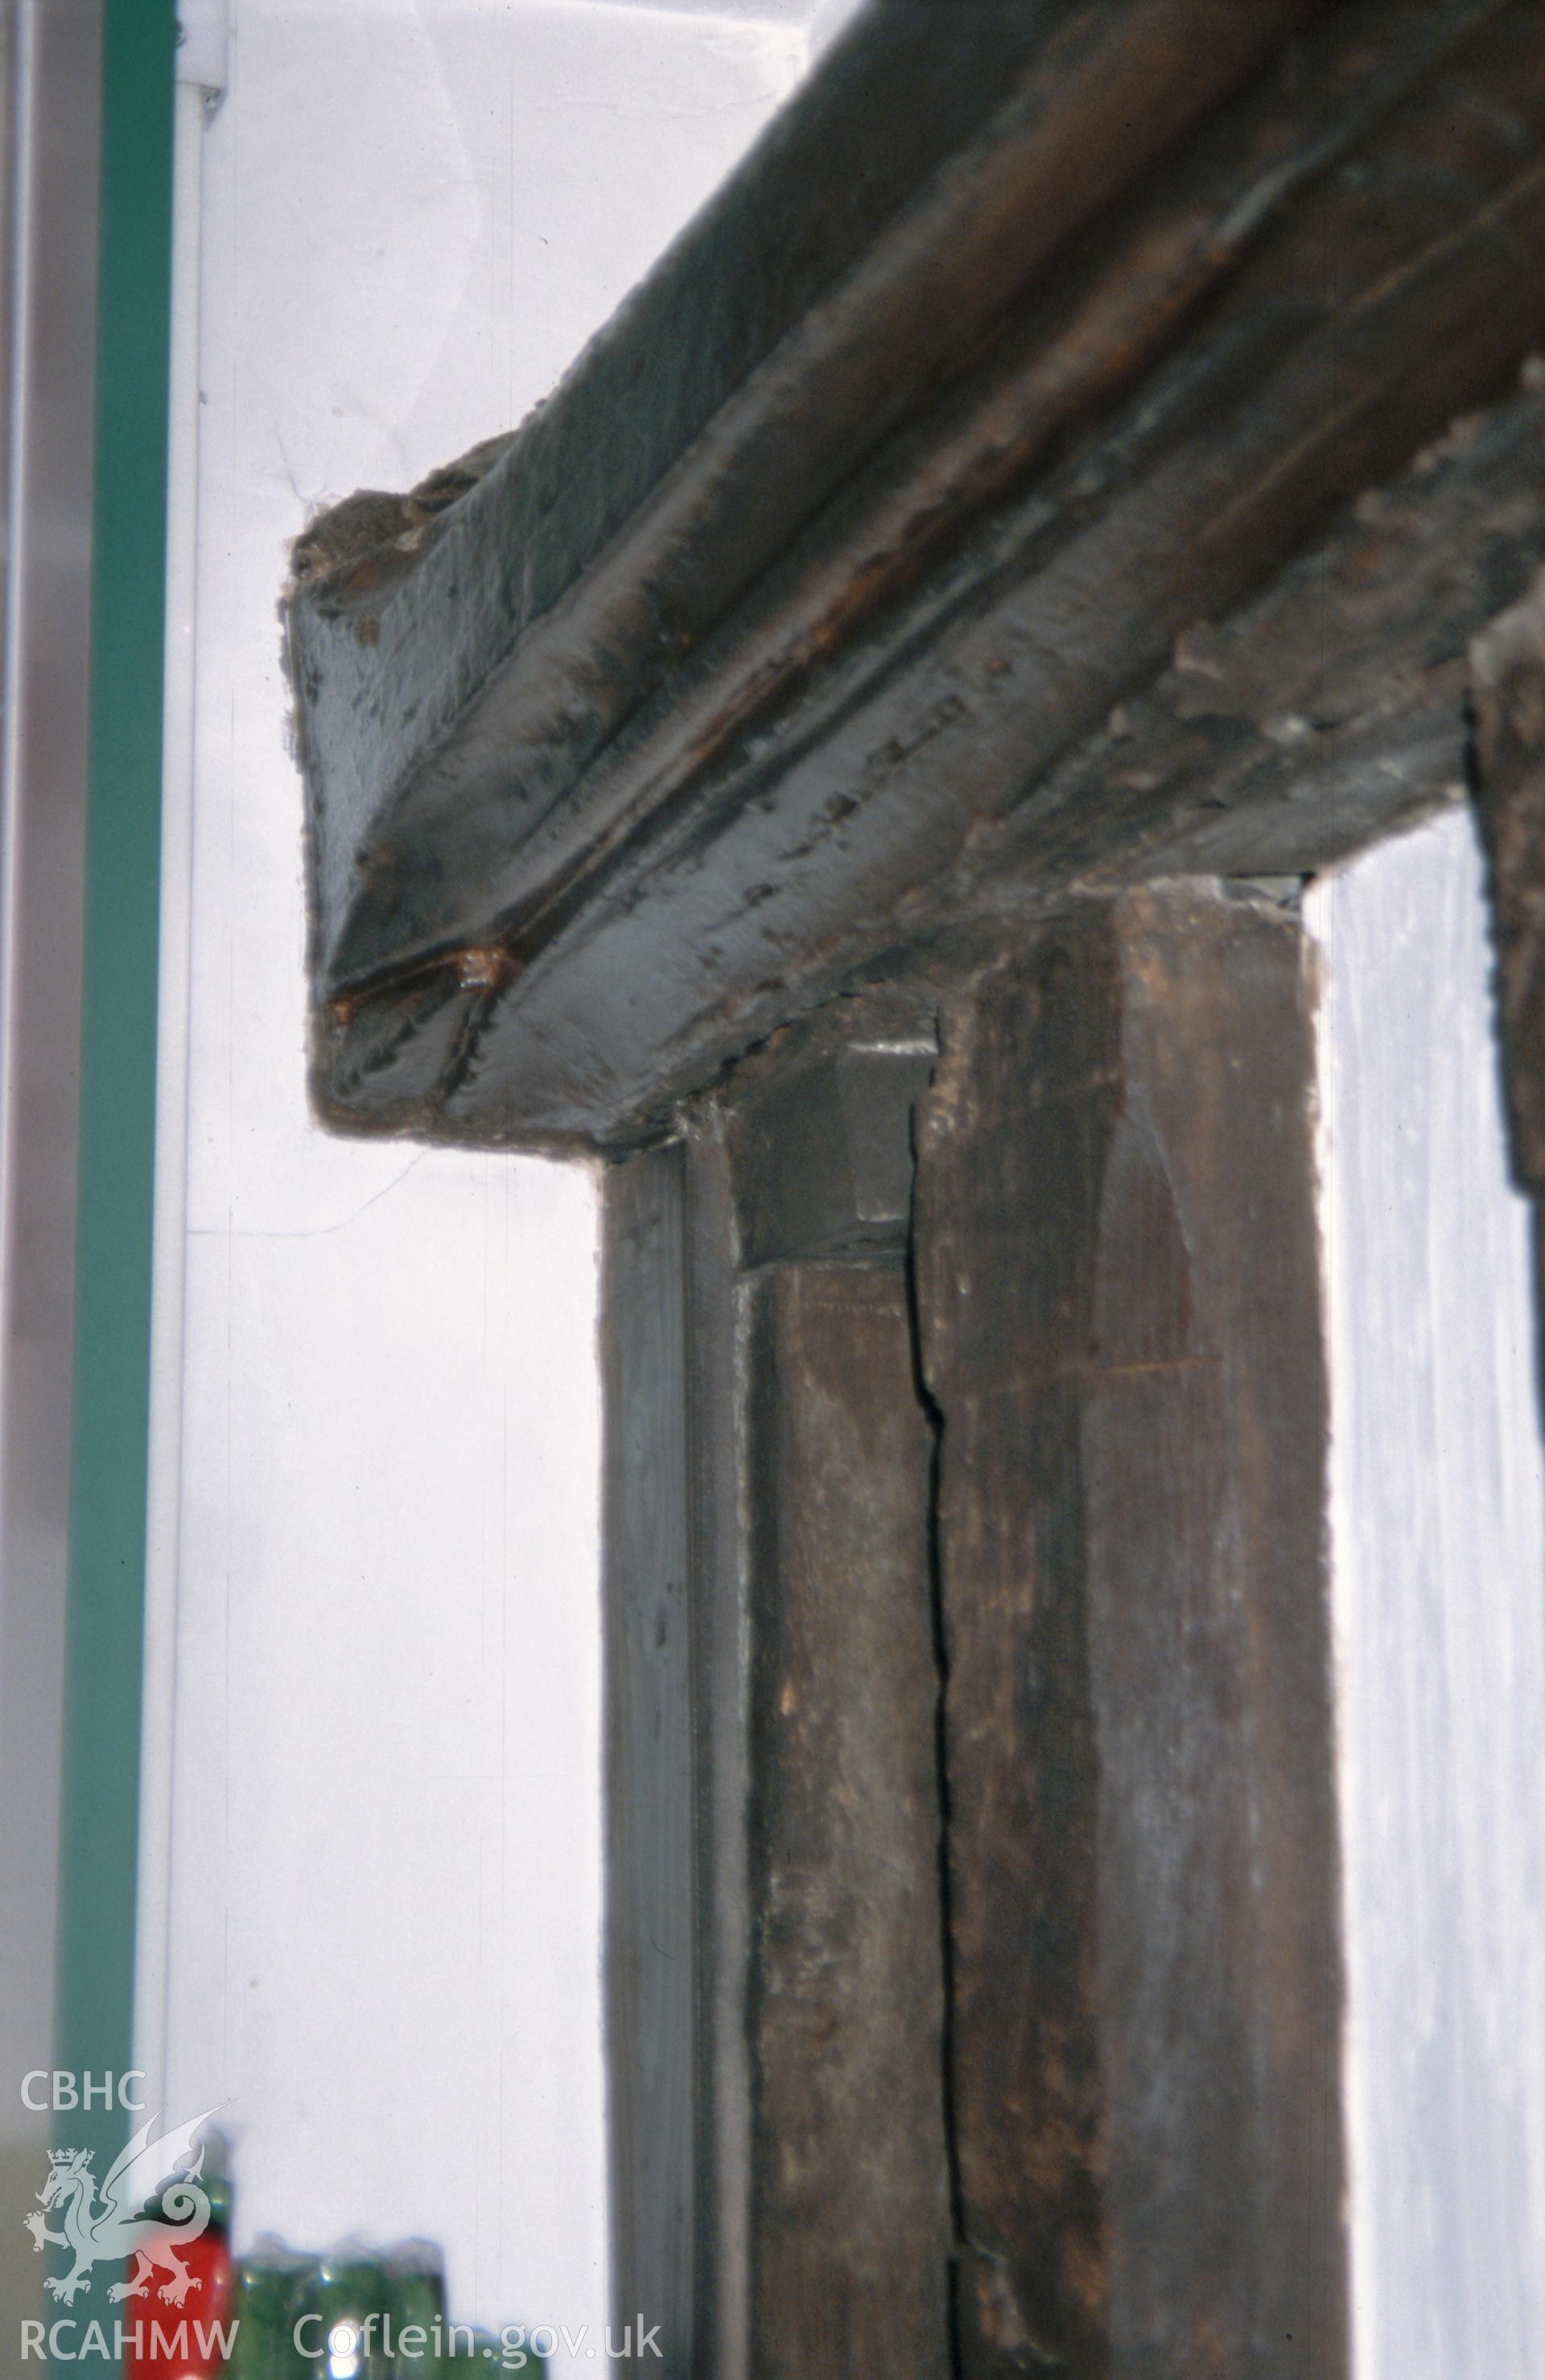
<point x="934" y="1416"/>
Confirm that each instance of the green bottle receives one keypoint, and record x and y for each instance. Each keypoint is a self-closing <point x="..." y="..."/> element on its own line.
<point x="267" y="2284"/>
<point x="341" y="2310"/>
<point x="485" y="2359"/>
<point x="415" y="2302"/>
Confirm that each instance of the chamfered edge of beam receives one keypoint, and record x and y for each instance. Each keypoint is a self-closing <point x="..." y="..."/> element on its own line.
<point x="820" y="266"/>
<point x="1318" y="716"/>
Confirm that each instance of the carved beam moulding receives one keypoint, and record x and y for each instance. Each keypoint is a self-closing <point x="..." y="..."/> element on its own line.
<point x="965" y="512"/>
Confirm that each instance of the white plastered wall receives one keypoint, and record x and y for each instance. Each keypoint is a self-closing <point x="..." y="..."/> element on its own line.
<point x="1438" y="1558"/>
<point x="370" y="1896"/>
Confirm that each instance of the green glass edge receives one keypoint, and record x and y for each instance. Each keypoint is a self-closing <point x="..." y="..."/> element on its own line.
<point x="103" y="1661"/>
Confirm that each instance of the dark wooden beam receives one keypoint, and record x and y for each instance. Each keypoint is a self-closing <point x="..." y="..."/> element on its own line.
<point x="602" y="795"/>
<point x="1119" y="1314"/>
<point x="1508" y="684"/>
<point x="1322" y="714"/>
<point x="837" y="283"/>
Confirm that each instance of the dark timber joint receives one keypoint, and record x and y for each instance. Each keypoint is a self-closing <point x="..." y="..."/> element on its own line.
<point x="850" y="760"/>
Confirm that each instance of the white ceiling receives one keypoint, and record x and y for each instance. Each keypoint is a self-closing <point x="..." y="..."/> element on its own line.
<point x="786" y="12"/>
<point x="824" y="16"/>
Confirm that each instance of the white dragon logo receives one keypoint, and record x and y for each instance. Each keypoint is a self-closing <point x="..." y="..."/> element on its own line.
<point x="116" y="2229"/>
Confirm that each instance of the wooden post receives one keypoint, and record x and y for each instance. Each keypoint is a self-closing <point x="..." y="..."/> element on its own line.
<point x="776" y="1938"/>
<point x="652" y="1890"/>
<point x="850" y="2206"/>
<point x="1120" y="1322"/>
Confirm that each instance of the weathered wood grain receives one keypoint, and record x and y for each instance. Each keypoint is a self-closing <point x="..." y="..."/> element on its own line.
<point x="811" y="308"/>
<point x="775" y="1932"/>
<point x="1507" y="677"/>
<point x="849" y="2200"/>
<point x="1335" y="705"/>
<point x="888" y="554"/>
<point x="891" y="652"/>
<point x="1119" y="1319"/>
<point x="818" y="1128"/>
<point x="719" y="1585"/>
<point x="652" y="1921"/>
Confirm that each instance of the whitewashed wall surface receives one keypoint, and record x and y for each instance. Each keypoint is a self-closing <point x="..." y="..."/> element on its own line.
<point x="1438" y="1549"/>
<point x="371" y="1890"/>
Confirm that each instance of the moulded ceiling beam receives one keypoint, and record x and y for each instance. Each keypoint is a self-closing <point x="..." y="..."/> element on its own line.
<point x="1002" y="362"/>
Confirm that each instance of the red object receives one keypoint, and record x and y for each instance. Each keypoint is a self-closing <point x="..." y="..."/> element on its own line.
<point x="163" y="2341"/>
